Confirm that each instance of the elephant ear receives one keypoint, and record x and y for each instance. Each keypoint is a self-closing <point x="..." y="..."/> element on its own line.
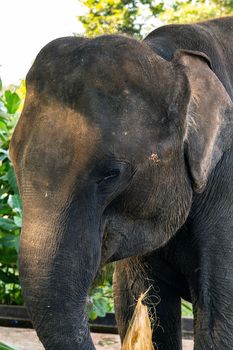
<point x="209" y="110"/>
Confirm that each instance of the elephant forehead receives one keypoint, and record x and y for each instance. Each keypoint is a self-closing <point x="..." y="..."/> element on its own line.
<point x="58" y="144"/>
<point x="115" y="77"/>
<point x="63" y="137"/>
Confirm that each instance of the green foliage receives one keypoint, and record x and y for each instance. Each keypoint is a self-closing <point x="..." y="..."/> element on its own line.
<point x="187" y="309"/>
<point x="117" y="16"/>
<point x="189" y="11"/>
<point x="132" y="16"/>
<point x="5" y="347"/>
<point x="100" y="299"/>
<point x="10" y="204"/>
<point x="110" y="16"/>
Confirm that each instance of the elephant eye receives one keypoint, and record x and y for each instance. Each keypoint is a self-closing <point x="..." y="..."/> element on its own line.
<point x="109" y="175"/>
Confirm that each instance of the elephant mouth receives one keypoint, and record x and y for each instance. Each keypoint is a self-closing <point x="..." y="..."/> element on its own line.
<point x="109" y="246"/>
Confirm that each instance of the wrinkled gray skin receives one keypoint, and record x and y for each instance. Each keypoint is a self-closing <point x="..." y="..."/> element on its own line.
<point x="123" y="146"/>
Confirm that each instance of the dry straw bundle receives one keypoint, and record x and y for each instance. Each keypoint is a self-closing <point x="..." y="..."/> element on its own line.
<point x="139" y="334"/>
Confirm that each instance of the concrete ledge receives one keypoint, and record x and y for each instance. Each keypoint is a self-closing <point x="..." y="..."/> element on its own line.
<point x="26" y="339"/>
<point x="17" y="316"/>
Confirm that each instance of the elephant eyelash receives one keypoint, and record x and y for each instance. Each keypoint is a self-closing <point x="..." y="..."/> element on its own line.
<point x="111" y="174"/>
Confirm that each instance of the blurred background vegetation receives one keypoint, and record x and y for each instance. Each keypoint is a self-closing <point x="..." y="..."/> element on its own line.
<point x="131" y="17"/>
<point x="137" y="17"/>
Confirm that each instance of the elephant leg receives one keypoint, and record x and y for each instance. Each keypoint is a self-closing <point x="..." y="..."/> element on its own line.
<point x="213" y="302"/>
<point x="131" y="278"/>
<point x="167" y="334"/>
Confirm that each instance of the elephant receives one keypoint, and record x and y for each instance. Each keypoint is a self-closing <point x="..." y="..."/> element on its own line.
<point x="123" y="153"/>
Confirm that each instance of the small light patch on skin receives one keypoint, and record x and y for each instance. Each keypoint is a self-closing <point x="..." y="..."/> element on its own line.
<point x="154" y="158"/>
<point x="125" y="133"/>
<point x="126" y="92"/>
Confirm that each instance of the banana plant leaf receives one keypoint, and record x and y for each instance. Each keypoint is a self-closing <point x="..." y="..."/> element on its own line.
<point x="6" y="347"/>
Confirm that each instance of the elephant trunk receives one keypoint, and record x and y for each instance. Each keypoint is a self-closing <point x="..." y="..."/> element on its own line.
<point x="58" y="263"/>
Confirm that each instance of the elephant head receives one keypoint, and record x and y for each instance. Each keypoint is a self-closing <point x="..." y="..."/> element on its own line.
<point x="112" y="142"/>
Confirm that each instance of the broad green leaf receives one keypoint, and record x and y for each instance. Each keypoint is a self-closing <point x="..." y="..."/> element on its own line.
<point x="4" y="151"/>
<point x="3" y="157"/>
<point x="92" y="314"/>
<point x="3" y="125"/>
<point x="14" y="202"/>
<point x="4" y="177"/>
<point x="4" y="154"/>
<point x="4" y="190"/>
<point x="12" y="101"/>
<point x="0" y="84"/>
<point x="12" y="180"/>
<point x="8" y="257"/>
<point x="16" y="243"/>
<point x="4" y="209"/>
<point x="4" y="138"/>
<point x="18" y="221"/>
<point x="7" y="224"/>
<point x="6" y="347"/>
<point x="100" y="307"/>
<point x="8" y="277"/>
<point x="9" y="241"/>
